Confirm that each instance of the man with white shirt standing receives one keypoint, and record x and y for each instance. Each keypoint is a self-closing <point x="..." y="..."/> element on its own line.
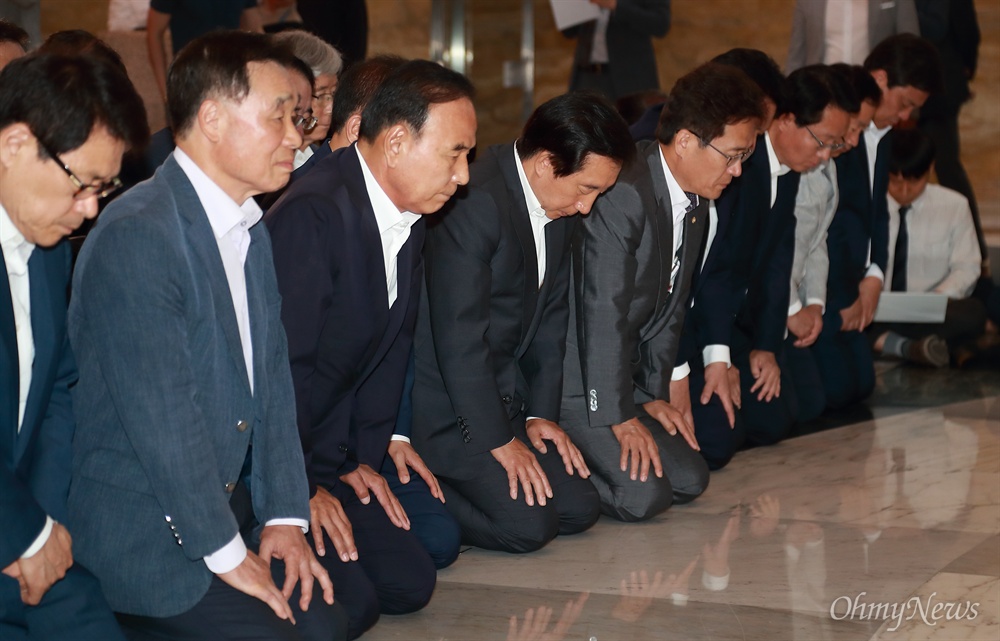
<point x="932" y="248"/>
<point x="189" y="489"/>
<point x="907" y="70"/>
<point x="347" y="251"/>
<point x="491" y="332"/>
<point x="831" y="31"/>
<point x="64" y="125"/>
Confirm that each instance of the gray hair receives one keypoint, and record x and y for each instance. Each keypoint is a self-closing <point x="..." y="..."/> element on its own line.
<point x="321" y="56"/>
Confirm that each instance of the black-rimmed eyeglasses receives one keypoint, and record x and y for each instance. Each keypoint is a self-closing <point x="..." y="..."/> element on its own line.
<point x="100" y="189"/>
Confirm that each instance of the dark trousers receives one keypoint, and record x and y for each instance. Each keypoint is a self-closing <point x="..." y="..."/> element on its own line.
<point x="226" y="614"/>
<point x="490" y="519"/>
<point x="393" y="573"/>
<point x="964" y="322"/>
<point x="685" y="474"/>
<point x="72" y="610"/>
<point x="432" y="524"/>
<point x="718" y="441"/>
<point x="801" y="383"/>
<point x="845" y="364"/>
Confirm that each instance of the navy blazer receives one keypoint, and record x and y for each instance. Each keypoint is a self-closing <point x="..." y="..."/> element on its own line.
<point x="349" y="351"/>
<point x="861" y="221"/>
<point x="35" y="463"/>
<point x="752" y="254"/>
<point x="490" y="343"/>
<point x="165" y="412"/>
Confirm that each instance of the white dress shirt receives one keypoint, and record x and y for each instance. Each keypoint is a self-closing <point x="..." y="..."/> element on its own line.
<point x="599" y="48"/>
<point x="777" y="169"/>
<point x="393" y="227"/>
<point x="231" y="225"/>
<point x="16" y="253"/>
<point x="301" y="156"/>
<point x="873" y="135"/>
<point x="943" y="254"/>
<point x="846" y="31"/>
<point x="536" y="214"/>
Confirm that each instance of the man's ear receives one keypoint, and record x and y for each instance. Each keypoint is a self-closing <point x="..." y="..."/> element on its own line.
<point x="15" y="139"/>
<point x="211" y="119"/>
<point x="881" y="78"/>
<point x="353" y="128"/>
<point x="684" y="142"/>
<point x="395" y="143"/>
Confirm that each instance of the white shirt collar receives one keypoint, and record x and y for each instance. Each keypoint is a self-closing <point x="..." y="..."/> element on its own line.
<point x="16" y="249"/>
<point x="387" y="215"/>
<point x="301" y="156"/>
<point x="224" y="214"/>
<point x="530" y="200"/>
<point x="679" y="201"/>
<point x="876" y="134"/>
<point x="777" y="169"/>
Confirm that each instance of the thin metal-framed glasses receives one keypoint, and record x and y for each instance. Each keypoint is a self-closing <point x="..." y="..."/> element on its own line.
<point x="730" y="160"/>
<point x="83" y="190"/>
<point x="834" y="146"/>
<point x="304" y="122"/>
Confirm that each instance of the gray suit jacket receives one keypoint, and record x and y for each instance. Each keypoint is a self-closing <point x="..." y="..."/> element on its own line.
<point x="165" y="414"/>
<point x="625" y="322"/>
<point x="815" y="205"/>
<point x="808" y="43"/>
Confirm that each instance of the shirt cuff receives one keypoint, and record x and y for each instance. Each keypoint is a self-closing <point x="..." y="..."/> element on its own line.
<point x="817" y="301"/>
<point x="680" y="372"/>
<point x="717" y="354"/>
<point x="228" y="557"/>
<point x="715" y="583"/>
<point x="876" y="271"/>
<point x="795" y="307"/>
<point x="301" y="523"/>
<point x="400" y="437"/>
<point x="40" y="540"/>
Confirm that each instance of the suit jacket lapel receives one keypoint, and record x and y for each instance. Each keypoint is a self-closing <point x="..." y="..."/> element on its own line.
<point x="555" y="244"/>
<point x="8" y="364"/>
<point x="202" y="241"/>
<point x="663" y="220"/>
<point x="694" y="221"/>
<point x="43" y="329"/>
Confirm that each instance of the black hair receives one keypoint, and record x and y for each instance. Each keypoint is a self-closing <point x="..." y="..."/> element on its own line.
<point x="573" y="125"/>
<point x="912" y="153"/>
<point x="216" y="65"/>
<point x="357" y="86"/>
<point x="908" y="61"/>
<point x="407" y="94"/>
<point x="865" y="87"/>
<point x="10" y="32"/>
<point x="707" y="99"/>
<point x="82" y="43"/>
<point x="63" y="98"/>
<point x="760" y="67"/>
<point x="810" y="90"/>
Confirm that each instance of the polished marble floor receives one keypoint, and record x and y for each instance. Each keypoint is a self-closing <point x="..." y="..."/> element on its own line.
<point x="887" y="528"/>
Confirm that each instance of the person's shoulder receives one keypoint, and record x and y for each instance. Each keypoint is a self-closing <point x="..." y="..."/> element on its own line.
<point x="947" y="200"/>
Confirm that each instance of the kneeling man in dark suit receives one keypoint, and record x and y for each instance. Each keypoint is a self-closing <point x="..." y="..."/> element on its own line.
<point x="64" y="124"/>
<point x="491" y="333"/>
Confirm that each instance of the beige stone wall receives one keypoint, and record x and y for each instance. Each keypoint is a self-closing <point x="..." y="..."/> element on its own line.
<point x="701" y="29"/>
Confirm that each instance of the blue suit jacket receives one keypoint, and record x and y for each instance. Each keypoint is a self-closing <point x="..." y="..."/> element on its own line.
<point x="164" y="407"/>
<point x="35" y="463"/>
<point x="349" y="351"/>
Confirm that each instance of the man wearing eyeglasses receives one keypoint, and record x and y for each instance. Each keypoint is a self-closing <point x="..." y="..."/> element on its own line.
<point x="64" y="125"/>
<point x="757" y="251"/>
<point x="633" y="259"/>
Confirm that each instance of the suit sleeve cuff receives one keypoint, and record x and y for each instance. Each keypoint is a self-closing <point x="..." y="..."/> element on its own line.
<point x="817" y="301"/>
<point x="717" y="354"/>
<point x="795" y="307"/>
<point x="680" y="372"/>
<point x="400" y="437"/>
<point x="876" y="271"/>
<point x="300" y="523"/>
<point x="228" y="557"/>
<point x="40" y="540"/>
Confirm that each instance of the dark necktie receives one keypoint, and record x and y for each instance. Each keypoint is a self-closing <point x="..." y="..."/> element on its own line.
<point x="693" y="198"/>
<point x="900" y="256"/>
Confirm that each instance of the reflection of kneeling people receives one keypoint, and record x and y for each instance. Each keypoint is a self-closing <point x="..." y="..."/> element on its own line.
<point x="932" y="248"/>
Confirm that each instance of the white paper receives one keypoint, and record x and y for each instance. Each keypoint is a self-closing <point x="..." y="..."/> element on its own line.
<point x="569" y="13"/>
<point x="906" y="307"/>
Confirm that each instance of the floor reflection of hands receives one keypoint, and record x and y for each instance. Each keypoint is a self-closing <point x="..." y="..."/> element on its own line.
<point x="536" y="621"/>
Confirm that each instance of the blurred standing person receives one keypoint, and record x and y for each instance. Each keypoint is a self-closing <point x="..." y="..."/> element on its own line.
<point x="188" y="19"/>
<point x="614" y="53"/>
<point x="13" y="42"/>
<point x="27" y="15"/>
<point x="952" y="27"/>
<point x="127" y="15"/>
<point x="342" y="23"/>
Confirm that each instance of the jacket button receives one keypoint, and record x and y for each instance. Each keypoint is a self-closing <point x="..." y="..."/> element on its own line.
<point x="507" y="399"/>
<point x="342" y="448"/>
<point x="230" y="487"/>
<point x="241" y="426"/>
<point x="179" y="542"/>
<point x="467" y="438"/>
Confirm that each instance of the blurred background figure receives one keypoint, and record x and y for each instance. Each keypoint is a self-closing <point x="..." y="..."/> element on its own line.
<point x="13" y="42"/>
<point x="344" y="24"/>
<point x="127" y="15"/>
<point x="279" y="15"/>
<point x="25" y="14"/>
<point x="614" y="53"/>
